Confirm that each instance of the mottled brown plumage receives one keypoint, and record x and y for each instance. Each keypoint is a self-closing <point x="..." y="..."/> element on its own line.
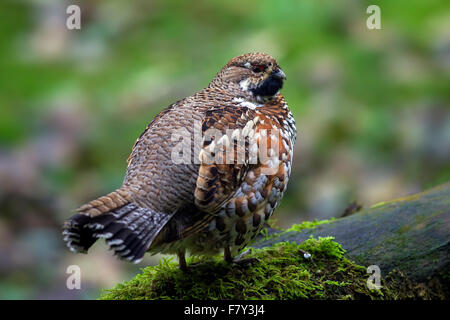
<point x="218" y="195"/>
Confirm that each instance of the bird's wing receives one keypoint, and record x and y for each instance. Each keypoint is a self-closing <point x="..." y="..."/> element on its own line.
<point x="224" y="160"/>
<point x="224" y="155"/>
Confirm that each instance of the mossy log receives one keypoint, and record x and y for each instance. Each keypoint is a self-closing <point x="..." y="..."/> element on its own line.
<point x="410" y="234"/>
<point x="407" y="238"/>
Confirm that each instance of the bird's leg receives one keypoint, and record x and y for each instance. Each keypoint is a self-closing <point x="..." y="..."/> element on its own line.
<point x="182" y="260"/>
<point x="243" y="254"/>
<point x="227" y="254"/>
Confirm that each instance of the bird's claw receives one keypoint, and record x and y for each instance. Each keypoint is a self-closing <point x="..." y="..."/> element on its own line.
<point x="245" y="262"/>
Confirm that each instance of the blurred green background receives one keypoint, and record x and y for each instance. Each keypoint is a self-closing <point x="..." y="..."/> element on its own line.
<point x="371" y="106"/>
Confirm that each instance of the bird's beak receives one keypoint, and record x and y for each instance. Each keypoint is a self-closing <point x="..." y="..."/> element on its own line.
<point x="278" y="73"/>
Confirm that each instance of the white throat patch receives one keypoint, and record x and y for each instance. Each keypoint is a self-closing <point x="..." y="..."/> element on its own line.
<point x="248" y="104"/>
<point x="244" y="84"/>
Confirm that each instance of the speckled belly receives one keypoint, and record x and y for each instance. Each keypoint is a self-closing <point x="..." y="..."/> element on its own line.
<point x="242" y="217"/>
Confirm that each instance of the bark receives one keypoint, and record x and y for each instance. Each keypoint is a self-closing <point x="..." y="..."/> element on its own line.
<point x="410" y="235"/>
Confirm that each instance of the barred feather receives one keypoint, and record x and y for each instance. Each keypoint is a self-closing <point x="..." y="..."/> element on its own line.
<point x="128" y="230"/>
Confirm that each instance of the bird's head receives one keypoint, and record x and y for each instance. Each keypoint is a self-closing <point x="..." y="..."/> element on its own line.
<point x="256" y="76"/>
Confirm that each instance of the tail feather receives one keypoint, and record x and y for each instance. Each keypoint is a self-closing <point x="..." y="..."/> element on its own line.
<point x="127" y="228"/>
<point x="146" y="230"/>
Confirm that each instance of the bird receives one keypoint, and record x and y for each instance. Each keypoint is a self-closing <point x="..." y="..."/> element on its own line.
<point x="197" y="179"/>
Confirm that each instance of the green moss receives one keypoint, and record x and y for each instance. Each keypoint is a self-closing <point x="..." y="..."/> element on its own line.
<point x="282" y="272"/>
<point x="296" y="228"/>
<point x="309" y="224"/>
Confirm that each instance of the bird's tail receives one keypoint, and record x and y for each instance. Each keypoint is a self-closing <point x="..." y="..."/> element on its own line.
<point x="127" y="228"/>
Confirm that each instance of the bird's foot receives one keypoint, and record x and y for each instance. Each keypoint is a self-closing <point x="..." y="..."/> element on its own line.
<point x="243" y="254"/>
<point x="240" y="260"/>
<point x="184" y="269"/>
<point x="245" y="262"/>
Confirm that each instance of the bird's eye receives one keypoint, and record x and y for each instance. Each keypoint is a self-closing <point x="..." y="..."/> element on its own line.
<point x="258" y="68"/>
